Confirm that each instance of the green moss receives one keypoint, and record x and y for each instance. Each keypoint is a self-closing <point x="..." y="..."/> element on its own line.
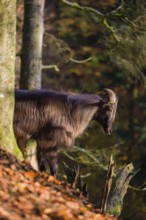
<point x="116" y="210"/>
<point x="9" y="144"/>
<point x="16" y="151"/>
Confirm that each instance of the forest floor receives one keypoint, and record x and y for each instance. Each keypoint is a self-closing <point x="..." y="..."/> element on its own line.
<point x="28" y="194"/>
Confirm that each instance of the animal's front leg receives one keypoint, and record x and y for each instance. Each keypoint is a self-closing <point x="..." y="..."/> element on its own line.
<point x="47" y="159"/>
<point x="52" y="160"/>
<point x="40" y="155"/>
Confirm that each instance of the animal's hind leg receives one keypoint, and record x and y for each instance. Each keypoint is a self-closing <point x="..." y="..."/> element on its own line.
<point x="22" y="146"/>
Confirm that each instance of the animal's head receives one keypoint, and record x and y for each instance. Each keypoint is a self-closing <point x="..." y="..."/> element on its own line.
<point x="107" y="111"/>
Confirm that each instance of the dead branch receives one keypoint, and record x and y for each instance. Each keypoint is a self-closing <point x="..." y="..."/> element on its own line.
<point x="74" y="178"/>
<point x="108" y="184"/>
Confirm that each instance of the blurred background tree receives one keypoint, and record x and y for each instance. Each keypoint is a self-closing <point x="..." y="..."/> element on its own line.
<point x="112" y="33"/>
<point x="31" y="52"/>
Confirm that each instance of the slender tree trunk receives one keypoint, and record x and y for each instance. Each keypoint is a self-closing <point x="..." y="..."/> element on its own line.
<point x="32" y="45"/>
<point x="7" y="66"/>
<point x="131" y="124"/>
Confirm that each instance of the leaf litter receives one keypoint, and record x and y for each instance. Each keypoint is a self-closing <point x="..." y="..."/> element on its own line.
<point x="27" y="194"/>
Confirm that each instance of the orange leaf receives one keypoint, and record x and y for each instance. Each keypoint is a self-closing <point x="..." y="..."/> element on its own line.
<point x="52" y="179"/>
<point x="30" y="174"/>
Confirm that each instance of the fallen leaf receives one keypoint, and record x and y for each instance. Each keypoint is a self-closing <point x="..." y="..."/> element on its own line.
<point x="31" y="174"/>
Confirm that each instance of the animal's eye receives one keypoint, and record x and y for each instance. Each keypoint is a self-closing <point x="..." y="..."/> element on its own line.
<point x="105" y="105"/>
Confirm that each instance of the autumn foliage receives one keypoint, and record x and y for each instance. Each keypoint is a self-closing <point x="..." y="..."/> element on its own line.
<point x="27" y="194"/>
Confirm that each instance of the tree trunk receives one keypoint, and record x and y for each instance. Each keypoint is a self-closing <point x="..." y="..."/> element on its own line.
<point x="7" y="66"/>
<point x="32" y="45"/>
<point x="119" y="189"/>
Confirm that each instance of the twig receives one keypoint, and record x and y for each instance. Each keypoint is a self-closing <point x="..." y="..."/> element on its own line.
<point x="91" y="10"/>
<point x="92" y="158"/>
<point x="137" y="189"/>
<point x="74" y="178"/>
<point x="80" y="61"/>
<point x="111" y="29"/>
<point x="117" y="9"/>
<point x="55" y="67"/>
<point x="85" y="8"/>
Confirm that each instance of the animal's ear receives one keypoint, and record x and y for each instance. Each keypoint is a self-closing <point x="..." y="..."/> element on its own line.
<point x="103" y="103"/>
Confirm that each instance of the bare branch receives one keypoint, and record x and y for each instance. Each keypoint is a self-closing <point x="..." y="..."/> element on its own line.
<point x="111" y="29"/>
<point x="137" y="189"/>
<point x="55" y="67"/>
<point x="80" y="61"/>
<point x="74" y="178"/>
<point x="117" y="9"/>
<point x="85" y="8"/>
<point x="108" y="184"/>
<point x="98" y="13"/>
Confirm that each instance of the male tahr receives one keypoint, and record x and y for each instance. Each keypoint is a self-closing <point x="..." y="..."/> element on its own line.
<point x="55" y="119"/>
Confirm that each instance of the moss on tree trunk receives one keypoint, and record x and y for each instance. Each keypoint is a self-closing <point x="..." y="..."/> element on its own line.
<point x="7" y="73"/>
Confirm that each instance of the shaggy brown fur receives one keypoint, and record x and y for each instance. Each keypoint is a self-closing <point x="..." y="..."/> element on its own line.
<point x="56" y="119"/>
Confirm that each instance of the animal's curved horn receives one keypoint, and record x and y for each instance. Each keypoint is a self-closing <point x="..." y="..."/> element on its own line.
<point x="112" y="98"/>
